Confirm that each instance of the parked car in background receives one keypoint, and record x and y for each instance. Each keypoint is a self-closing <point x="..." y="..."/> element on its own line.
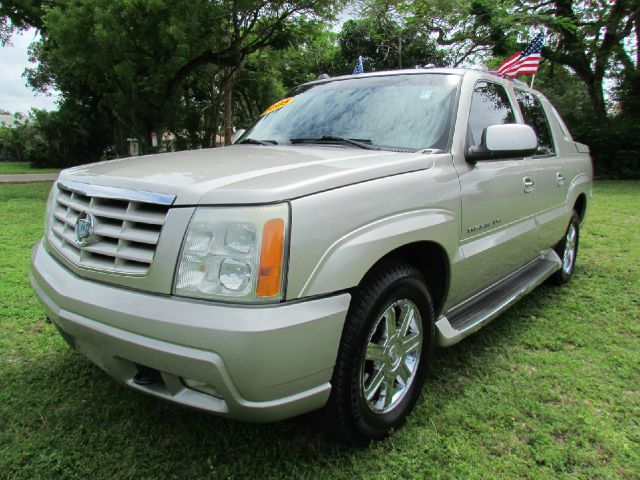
<point x="319" y="261"/>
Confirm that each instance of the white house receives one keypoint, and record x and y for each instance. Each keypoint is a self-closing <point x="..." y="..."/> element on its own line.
<point x="8" y="120"/>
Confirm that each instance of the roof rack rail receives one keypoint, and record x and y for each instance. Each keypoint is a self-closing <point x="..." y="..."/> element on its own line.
<point x="521" y="82"/>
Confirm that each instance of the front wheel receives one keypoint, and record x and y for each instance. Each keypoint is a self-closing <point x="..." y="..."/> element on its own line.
<point x="567" y="250"/>
<point x="383" y="357"/>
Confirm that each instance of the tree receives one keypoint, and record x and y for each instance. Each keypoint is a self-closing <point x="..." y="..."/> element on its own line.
<point x="587" y="36"/>
<point x="265" y="77"/>
<point x="591" y="40"/>
<point x="18" y="15"/>
<point x="566" y="92"/>
<point x="384" y="46"/>
<point x="384" y="34"/>
<point x="130" y="59"/>
<point x="465" y="30"/>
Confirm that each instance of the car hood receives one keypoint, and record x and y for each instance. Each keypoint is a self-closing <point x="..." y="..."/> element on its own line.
<point x="248" y="173"/>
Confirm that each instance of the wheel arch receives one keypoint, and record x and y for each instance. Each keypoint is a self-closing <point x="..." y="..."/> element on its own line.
<point x="431" y="259"/>
<point x="580" y="206"/>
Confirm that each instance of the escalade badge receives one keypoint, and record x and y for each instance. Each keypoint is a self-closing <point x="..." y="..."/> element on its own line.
<point x="85" y="224"/>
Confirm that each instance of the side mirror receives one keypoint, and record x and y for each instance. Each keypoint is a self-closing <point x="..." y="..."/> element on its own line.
<point x="237" y="134"/>
<point x="504" y="141"/>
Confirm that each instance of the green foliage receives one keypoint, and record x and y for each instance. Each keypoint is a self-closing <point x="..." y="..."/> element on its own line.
<point x="385" y="44"/>
<point x="627" y="92"/>
<point x="265" y="77"/>
<point x="127" y="68"/>
<point x="614" y="144"/>
<point x="550" y="390"/>
<point x="122" y="53"/>
<point x="54" y="139"/>
<point x="587" y="37"/>
<point x="130" y="59"/>
<point x="566" y="92"/>
<point x="19" y="15"/>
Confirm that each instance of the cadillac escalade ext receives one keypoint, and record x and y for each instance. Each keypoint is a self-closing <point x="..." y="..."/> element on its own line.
<point x="318" y="262"/>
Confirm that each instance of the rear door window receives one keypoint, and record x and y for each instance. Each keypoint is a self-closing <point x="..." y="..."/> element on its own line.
<point x="534" y="116"/>
<point x="489" y="106"/>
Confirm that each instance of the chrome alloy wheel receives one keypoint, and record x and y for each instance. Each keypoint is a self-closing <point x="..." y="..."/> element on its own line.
<point x="570" y="243"/>
<point x="391" y="358"/>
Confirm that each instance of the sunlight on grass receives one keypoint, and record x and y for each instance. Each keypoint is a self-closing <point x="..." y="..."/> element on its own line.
<point x="548" y="390"/>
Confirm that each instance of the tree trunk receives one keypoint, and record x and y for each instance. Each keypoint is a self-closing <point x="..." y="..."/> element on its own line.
<point x="228" y="113"/>
<point x="215" y="117"/>
<point x="595" y="88"/>
<point x="226" y="89"/>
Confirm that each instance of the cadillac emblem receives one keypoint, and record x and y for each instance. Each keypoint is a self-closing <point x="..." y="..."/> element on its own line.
<point x="85" y="224"/>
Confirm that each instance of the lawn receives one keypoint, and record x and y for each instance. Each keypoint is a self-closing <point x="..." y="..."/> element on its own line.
<point x="23" y="167"/>
<point x="549" y="390"/>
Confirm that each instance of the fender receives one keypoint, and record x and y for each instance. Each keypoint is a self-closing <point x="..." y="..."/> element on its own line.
<point x="580" y="184"/>
<point x="363" y="247"/>
<point x="338" y="235"/>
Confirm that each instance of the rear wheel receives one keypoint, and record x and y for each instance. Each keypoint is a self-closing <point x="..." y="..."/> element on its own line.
<point x="567" y="250"/>
<point x="383" y="357"/>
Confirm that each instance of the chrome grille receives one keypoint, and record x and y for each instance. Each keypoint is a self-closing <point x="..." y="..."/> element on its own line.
<point x="126" y="231"/>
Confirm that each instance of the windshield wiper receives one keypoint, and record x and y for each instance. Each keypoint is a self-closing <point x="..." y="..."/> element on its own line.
<point x="254" y="141"/>
<point x="328" y="139"/>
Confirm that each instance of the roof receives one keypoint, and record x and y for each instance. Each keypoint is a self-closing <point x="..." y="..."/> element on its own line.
<point x="414" y="71"/>
<point x="384" y="73"/>
<point x="9" y="120"/>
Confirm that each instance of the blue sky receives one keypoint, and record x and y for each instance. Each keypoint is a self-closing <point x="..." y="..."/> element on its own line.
<point x="15" y="96"/>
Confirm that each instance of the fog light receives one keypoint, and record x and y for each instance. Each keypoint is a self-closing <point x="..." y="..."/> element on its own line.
<point x="201" y="387"/>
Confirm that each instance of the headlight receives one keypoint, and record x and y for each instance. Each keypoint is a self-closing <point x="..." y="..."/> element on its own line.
<point x="234" y="254"/>
<point x="51" y="201"/>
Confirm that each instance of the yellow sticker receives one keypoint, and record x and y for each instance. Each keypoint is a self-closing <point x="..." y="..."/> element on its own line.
<point x="278" y="105"/>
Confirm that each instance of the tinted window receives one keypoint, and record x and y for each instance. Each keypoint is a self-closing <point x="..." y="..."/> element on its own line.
<point x="489" y="106"/>
<point x="534" y="116"/>
<point x="409" y="111"/>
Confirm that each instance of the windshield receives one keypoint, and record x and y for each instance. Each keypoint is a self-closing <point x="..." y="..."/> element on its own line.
<point x="402" y="111"/>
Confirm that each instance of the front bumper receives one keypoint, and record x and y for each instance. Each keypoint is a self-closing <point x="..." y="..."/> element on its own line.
<point x="265" y="362"/>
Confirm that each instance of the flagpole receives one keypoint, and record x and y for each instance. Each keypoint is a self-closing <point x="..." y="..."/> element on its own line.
<point x="532" y="80"/>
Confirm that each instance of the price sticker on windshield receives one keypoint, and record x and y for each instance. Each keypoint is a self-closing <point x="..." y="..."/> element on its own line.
<point x="277" y="106"/>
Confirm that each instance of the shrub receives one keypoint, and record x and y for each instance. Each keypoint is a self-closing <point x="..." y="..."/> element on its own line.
<point x="69" y="136"/>
<point x="614" y="144"/>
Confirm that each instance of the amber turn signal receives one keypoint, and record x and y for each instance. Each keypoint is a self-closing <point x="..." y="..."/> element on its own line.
<point x="270" y="268"/>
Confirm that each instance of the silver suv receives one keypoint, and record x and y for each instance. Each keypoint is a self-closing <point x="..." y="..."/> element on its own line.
<point x="318" y="262"/>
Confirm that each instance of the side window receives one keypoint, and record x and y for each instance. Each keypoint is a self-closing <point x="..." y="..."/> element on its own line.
<point x="534" y="115"/>
<point x="489" y="106"/>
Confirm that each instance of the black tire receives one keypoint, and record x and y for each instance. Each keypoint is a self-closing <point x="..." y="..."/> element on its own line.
<point x="565" y="273"/>
<point x="348" y="414"/>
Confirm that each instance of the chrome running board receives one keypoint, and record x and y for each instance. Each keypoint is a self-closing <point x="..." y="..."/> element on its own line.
<point x="475" y="312"/>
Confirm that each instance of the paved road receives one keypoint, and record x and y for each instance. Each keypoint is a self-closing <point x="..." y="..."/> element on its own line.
<point x="28" y="177"/>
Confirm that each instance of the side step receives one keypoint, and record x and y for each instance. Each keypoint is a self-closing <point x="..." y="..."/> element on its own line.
<point x="474" y="313"/>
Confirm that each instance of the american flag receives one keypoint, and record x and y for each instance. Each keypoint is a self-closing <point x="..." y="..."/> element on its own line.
<point x="525" y="62"/>
<point x="359" y="68"/>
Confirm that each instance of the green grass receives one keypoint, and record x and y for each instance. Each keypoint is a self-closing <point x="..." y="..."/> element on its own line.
<point x="23" y="167"/>
<point x="549" y="390"/>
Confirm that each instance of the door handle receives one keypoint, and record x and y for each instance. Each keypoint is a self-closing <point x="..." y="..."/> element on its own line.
<point x="559" y="179"/>
<point x="529" y="184"/>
